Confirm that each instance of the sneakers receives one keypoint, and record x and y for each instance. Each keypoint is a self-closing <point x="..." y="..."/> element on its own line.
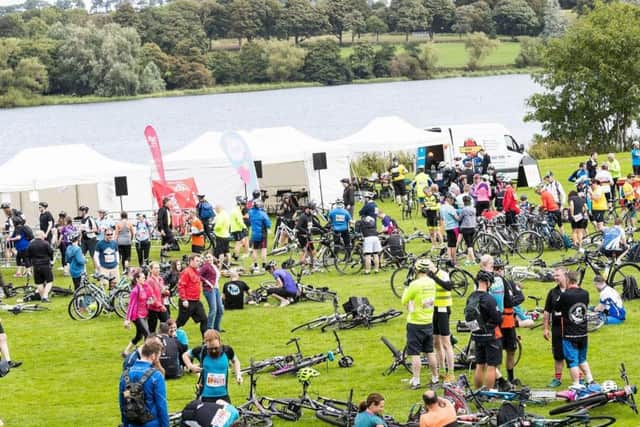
<point x="503" y="385"/>
<point x="516" y="382"/>
<point x="14" y="364"/>
<point x="555" y="383"/>
<point x="449" y="379"/>
<point x="285" y="303"/>
<point x="414" y="384"/>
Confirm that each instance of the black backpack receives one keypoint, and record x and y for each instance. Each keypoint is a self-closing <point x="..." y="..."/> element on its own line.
<point x="473" y="316"/>
<point x="135" y="410"/>
<point x="634" y="253"/>
<point x="514" y="292"/>
<point x="508" y="413"/>
<point x="28" y="232"/>
<point x="630" y="288"/>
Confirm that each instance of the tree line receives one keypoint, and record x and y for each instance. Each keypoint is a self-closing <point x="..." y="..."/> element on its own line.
<point x="128" y="49"/>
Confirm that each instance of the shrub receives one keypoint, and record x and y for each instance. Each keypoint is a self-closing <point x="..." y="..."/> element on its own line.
<point x="253" y="63"/>
<point x="382" y="61"/>
<point x="405" y="65"/>
<point x="530" y="52"/>
<point x="479" y="46"/>
<point x="544" y="148"/>
<point x="362" y="60"/>
<point x="225" y="66"/>
<point x="284" y="60"/>
<point x="323" y="64"/>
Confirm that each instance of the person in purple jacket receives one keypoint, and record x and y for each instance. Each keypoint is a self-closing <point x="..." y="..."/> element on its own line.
<point x="286" y="288"/>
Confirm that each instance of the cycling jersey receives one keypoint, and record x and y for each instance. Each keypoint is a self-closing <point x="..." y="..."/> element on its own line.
<point x="237" y="220"/>
<point x="339" y="218"/>
<point x="431" y="203"/>
<point x="420" y="295"/>
<point x="627" y="190"/>
<point x="398" y="172"/>
<point x="611" y="299"/>
<point x="612" y="238"/>
<point x="221" y="225"/>
<point x="599" y="203"/>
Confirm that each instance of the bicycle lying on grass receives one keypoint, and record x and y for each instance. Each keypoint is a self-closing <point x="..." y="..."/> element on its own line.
<point x="304" y="362"/>
<point x="22" y="308"/>
<point x="275" y="362"/>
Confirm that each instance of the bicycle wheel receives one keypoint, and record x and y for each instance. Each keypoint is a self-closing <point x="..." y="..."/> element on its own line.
<point x="556" y="241"/>
<point x="459" y="281"/>
<point x="620" y="273"/>
<point x="587" y="402"/>
<point x="329" y="258"/>
<point x="121" y="303"/>
<point x="400" y="279"/>
<point x="336" y="417"/>
<point x="591" y="421"/>
<point x="287" y="409"/>
<point x="350" y="263"/>
<point x="593" y="241"/>
<point x="84" y="306"/>
<point x="314" y="294"/>
<point x="255" y="419"/>
<point x="529" y="245"/>
<point x="33" y="307"/>
<point x="595" y="321"/>
<point x="485" y="243"/>
<point x="313" y="324"/>
<point x="384" y="317"/>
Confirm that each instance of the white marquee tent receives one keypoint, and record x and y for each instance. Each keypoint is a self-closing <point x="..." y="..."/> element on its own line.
<point x="286" y="156"/>
<point x="386" y="134"/>
<point x="67" y="176"/>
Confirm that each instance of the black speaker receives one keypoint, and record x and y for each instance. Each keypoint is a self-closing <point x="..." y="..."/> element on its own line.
<point x="319" y="161"/>
<point x="258" y="165"/>
<point x="121" y="186"/>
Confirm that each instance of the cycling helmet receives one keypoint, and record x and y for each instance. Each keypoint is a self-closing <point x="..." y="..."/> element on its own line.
<point x="339" y="203"/>
<point x="499" y="263"/>
<point x="83" y="208"/>
<point x="74" y="236"/>
<point x="5" y="205"/>
<point x="345" y="362"/>
<point x="241" y="200"/>
<point x="256" y="194"/>
<point x="423" y="265"/>
<point x="259" y="204"/>
<point x="345" y="180"/>
<point x="271" y="266"/>
<point x="43" y="204"/>
<point x="441" y="165"/>
<point x="608" y="386"/>
<point x="62" y="213"/>
<point x="484" y="276"/>
<point x="311" y="205"/>
<point x="305" y="374"/>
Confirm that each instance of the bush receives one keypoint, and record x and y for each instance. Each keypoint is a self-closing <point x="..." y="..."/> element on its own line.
<point x="479" y="46"/>
<point x="544" y="148"/>
<point x="323" y="64"/>
<point x="253" y="63"/>
<point x="405" y="65"/>
<point x="362" y="60"/>
<point x="284" y="61"/>
<point x="382" y="61"/>
<point x="428" y="59"/>
<point x="530" y="52"/>
<point x="150" y="80"/>
<point x="225" y="66"/>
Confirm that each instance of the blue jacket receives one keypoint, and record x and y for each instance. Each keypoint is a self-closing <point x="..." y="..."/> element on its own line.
<point x="155" y="393"/>
<point x="260" y="222"/>
<point x="76" y="260"/>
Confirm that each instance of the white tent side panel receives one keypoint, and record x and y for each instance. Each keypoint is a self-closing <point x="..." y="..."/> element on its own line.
<point x="139" y="197"/>
<point x="220" y="184"/>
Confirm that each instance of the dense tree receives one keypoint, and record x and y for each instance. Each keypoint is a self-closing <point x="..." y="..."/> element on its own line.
<point x="188" y="75"/>
<point x="515" y="18"/>
<point x="215" y="19"/>
<point x="442" y="13"/>
<point x="151" y="80"/>
<point x="254" y="63"/>
<point x="337" y="12"/>
<point x="36" y="28"/>
<point x="478" y="46"/>
<point x="12" y="25"/>
<point x="376" y="25"/>
<point x="324" y="64"/>
<point x="300" y="20"/>
<point x="225" y="66"/>
<point x="284" y="61"/>
<point x="361" y="61"/>
<point x="590" y="77"/>
<point x="382" y="61"/>
<point x="178" y="24"/>
<point x="126" y="16"/>
<point x="243" y="20"/>
<point x="475" y="17"/>
<point x="554" y="22"/>
<point x="410" y="16"/>
<point x="530" y="54"/>
<point x="355" y="22"/>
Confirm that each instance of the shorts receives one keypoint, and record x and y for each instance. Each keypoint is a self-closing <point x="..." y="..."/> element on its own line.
<point x="125" y="252"/>
<point x="452" y="238"/>
<point x="114" y="273"/>
<point x="197" y="249"/>
<point x="489" y="352"/>
<point x="509" y="339"/>
<point x="441" y="321"/>
<point x="399" y="187"/>
<point x="89" y="245"/>
<point x="468" y="235"/>
<point x="22" y="260"/>
<point x="371" y="245"/>
<point x="598" y="216"/>
<point x="237" y="236"/>
<point x="432" y="219"/>
<point x="419" y="339"/>
<point x="168" y="239"/>
<point x="42" y="274"/>
<point x="575" y="353"/>
<point x="222" y="246"/>
<point x="579" y="225"/>
<point x="303" y="242"/>
<point x="259" y="244"/>
<point x="556" y="344"/>
<point x="281" y="292"/>
<point x="557" y="217"/>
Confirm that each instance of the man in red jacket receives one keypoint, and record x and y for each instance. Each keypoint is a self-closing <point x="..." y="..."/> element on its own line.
<point x="189" y="290"/>
<point x="510" y="204"/>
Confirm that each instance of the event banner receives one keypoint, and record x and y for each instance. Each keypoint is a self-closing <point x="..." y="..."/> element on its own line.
<point x="182" y="192"/>
<point x="239" y="155"/>
<point x="154" y="146"/>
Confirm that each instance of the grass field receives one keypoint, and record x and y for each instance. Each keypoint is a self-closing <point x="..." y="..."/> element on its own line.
<point x="71" y="369"/>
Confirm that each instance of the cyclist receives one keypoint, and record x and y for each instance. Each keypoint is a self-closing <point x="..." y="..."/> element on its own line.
<point x="165" y="226"/>
<point x="40" y="254"/>
<point x="441" y="315"/>
<point x="206" y="214"/>
<point x="420" y="182"/>
<point x="340" y="218"/>
<point x="388" y="224"/>
<point x="549" y="205"/>
<point x="578" y="217"/>
<point x="286" y="288"/>
<point x="419" y="298"/>
<point x="348" y="195"/>
<point x="573" y="304"/>
<point x="214" y="358"/>
<point x="629" y="196"/>
<point x="104" y="223"/>
<point x="260" y="223"/>
<point x="450" y="218"/>
<point x="286" y="212"/>
<point x="614" y="241"/>
<point x="468" y="225"/>
<point x="598" y="204"/>
<point x="304" y="229"/>
<point x="138" y="311"/>
<point x="190" y="289"/>
<point x="89" y="228"/>
<point x="440" y="412"/>
<point x="370" y="412"/>
<point x="76" y="261"/>
<point x="431" y="210"/>
<point x="610" y="303"/>
<point x="197" y="233"/>
<point x="239" y="232"/>
<point x="398" y="171"/>
<point x="46" y="221"/>
<point x="510" y="204"/>
<point x="4" y="349"/>
<point x="483" y="318"/>
<point x="371" y="246"/>
<point x="606" y="181"/>
<point x="221" y="227"/>
<point x="207" y="414"/>
<point x="553" y="323"/>
<point x="106" y="257"/>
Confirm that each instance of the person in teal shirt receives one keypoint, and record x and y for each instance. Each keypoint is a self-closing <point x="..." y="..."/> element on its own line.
<point x="635" y="158"/>
<point x="370" y="412"/>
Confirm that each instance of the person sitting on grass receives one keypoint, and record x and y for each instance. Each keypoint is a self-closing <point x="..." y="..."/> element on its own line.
<point x="440" y="412"/>
<point x="370" y="412"/>
<point x="4" y="347"/>
<point x="286" y="289"/>
<point x="388" y="224"/>
<point x="610" y="303"/>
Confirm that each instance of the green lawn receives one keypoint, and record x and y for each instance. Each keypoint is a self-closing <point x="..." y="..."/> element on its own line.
<point x="71" y="369"/>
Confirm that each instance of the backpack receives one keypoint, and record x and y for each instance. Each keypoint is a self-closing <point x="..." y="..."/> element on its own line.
<point x="473" y="316"/>
<point x="514" y="291"/>
<point x="135" y="410"/>
<point x="634" y="253"/>
<point x="630" y="288"/>
<point x="395" y="243"/>
<point x="206" y="210"/>
<point x="508" y="413"/>
<point x="27" y="232"/>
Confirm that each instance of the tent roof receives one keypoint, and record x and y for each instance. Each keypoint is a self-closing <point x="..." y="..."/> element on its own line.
<point x="389" y="134"/>
<point x="269" y="145"/>
<point x="59" y="166"/>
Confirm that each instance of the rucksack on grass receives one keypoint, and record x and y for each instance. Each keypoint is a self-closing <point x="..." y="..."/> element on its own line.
<point x="630" y="288"/>
<point x="135" y="409"/>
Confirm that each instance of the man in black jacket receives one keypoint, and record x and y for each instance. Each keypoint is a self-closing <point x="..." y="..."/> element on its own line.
<point x="170" y="359"/>
<point x="348" y="196"/>
<point x="164" y="226"/>
<point x="486" y="161"/>
<point x="40" y="253"/>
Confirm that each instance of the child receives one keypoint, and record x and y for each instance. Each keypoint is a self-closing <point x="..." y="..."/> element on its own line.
<point x="525" y="206"/>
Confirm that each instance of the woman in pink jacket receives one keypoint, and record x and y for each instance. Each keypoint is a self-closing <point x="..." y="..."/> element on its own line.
<point x="157" y="289"/>
<point x="483" y="195"/>
<point x="137" y="312"/>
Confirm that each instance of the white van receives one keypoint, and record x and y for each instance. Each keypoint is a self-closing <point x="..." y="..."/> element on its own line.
<point x="506" y="154"/>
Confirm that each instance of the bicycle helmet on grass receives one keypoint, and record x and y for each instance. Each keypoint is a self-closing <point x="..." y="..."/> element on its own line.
<point x="305" y="374"/>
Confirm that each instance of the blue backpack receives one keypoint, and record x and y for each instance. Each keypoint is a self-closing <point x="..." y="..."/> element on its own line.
<point x="206" y="211"/>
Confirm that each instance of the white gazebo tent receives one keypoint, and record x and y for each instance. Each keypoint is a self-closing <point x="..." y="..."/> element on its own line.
<point x="286" y="156"/>
<point x="67" y="176"/>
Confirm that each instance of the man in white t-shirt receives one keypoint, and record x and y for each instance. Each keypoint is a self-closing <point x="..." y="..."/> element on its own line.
<point x="606" y="180"/>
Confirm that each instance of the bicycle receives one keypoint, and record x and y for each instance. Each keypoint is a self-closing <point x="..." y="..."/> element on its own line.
<point x="497" y="239"/>
<point x="308" y="361"/>
<point x="624" y="395"/>
<point x="282" y="229"/>
<point x="89" y="300"/>
<point x="404" y="275"/>
<point x="22" y="308"/>
<point x="275" y="362"/>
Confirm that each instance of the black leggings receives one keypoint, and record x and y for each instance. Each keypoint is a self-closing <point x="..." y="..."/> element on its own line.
<point x="194" y="310"/>
<point x="125" y="254"/>
<point x="142" y="330"/>
<point x="153" y="318"/>
<point x="142" y="249"/>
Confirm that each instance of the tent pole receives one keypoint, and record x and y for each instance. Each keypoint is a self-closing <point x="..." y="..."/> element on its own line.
<point x="320" y="182"/>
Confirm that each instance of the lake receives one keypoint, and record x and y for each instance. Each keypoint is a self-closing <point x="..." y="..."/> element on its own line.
<point x="116" y="128"/>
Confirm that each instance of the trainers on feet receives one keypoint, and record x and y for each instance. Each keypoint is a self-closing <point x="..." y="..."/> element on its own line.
<point x="285" y="303"/>
<point x="449" y="378"/>
<point x="14" y="364"/>
<point x="554" y="383"/>
<point x="414" y="384"/>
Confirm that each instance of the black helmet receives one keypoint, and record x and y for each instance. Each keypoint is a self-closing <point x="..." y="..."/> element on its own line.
<point x="74" y="236"/>
<point x="83" y="208"/>
<point x="241" y="200"/>
<point x="271" y="266"/>
<point x="43" y="204"/>
<point x="5" y="205"/>
<point x="256" y="194"/>
<point x="484" y="276"/>
<point x="499" y="263"/>
<point x="311" y="205"/>
<point x="62" y="213"/>
<point x="345" y="180"/>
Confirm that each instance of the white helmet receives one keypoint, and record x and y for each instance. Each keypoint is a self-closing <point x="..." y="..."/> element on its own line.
<point x="608" y="386"/>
